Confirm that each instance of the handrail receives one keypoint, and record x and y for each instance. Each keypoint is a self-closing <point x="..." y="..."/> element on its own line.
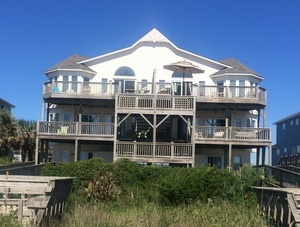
<point x="232" y="133"/>
<point x="283" y="177"/>
<point x="280" y="205"/>
<point x="207" y="92"/>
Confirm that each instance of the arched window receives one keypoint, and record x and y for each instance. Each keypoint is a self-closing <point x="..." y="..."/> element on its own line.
<point x="124" y="71"/>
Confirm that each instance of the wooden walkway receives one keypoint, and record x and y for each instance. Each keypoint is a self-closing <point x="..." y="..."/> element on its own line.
<point x="34" y="199"/>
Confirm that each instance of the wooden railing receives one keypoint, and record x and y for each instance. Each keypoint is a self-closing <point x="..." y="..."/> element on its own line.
<point x="162" y="150"/>
<point x="80" y="88"/>
<point x="280" y="205"/>
<point x="203" y="93"/>
<point x="35" y="198"/>
<point x="165" y="102"/>
<point x="232" y="133"/>
<point x="74" y="128"/>
<point x="245" y="92"/>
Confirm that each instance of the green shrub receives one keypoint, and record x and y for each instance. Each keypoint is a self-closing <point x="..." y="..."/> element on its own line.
<point x="102" y="188"/>
<point x="133" y="183"/>
<point x="9" y="221"/>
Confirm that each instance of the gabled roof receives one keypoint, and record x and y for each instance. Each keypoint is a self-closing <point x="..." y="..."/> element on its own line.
<point x="235" y="67"/>
<point x="6" y="103"/>
<point x="287" y="118"/>
<point x="154" y="36"/>
<point x="71" y="63"/>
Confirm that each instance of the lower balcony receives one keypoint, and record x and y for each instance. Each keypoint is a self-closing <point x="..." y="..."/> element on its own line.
<point x="69" y="130"/>
<point x="160" y="152"/>
<point x="206" y="134"/>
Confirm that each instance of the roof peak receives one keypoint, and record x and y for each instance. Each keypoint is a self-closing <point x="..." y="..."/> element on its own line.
<point x="154" y="36"/>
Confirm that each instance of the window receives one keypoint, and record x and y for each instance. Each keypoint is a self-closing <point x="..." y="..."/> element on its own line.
<point x="283" y="128"/>
<point x="215" y="161"/>
<point x="242" y="88"/>
<point x="297" y="124"/>
<point x="232" y="88"/>
<point x="65" y="83"/>
<point x="291" y="124"/>
<point x="144" y="85"/>
<point x="278" y="151"/>
<point x="202" y="88"/>
<point x="298" y="149"/>
<point x="285" y="150"/>
<point x="74" y="83"/>
<point x="251" y="122"/>
<point x="238" y="122"/>
<point x="86" y="79"/>
<point x="124" y="71"/>
<point x="104" y="85"/>
<point x="237" y="162"/>
<point x="220" y="84"/>
<point x="67" y="117"/>
<point x="64" y="156"/>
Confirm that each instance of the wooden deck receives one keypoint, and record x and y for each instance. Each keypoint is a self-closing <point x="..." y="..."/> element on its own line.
<point x="203" y="94"/>
<point x="161" y="152"/>
<point x="233" y="135"/>
<point x="72" y="130"/>
<point x="34" y="198"/>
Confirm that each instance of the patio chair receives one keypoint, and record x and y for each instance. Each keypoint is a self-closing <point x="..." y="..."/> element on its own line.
<point x="63" y="130"/>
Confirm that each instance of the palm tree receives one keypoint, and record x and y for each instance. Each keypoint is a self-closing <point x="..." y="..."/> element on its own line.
<point x="26" y="137"/>
<point x="8" y="134"/>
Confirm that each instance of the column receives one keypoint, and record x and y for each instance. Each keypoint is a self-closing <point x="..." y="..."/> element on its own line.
<point x="230" y="156"/>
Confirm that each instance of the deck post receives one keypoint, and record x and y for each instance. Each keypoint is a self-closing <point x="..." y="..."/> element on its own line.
<point x="76" y="150"/>
<point x="37" y="141"/>
<point x="270" y="155"/>
<point x="263" y="156"/>
<point x="230" y="156"/>
<point x="257" y="155"/>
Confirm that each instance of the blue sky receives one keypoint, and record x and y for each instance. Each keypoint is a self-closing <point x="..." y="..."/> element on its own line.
<point x="35" y="35"/>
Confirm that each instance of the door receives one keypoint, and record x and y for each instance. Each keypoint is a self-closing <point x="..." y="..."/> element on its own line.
<point x="215" y="161"/>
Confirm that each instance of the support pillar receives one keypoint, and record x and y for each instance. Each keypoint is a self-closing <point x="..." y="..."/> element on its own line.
<point x="257" y="156"/>
<point x="76" y="150"/>
<point x="230" y="156"/>
<point x="263" y="156"/>
<point x="42" y="151"/>
<point x="46" y="151"/>
<point x="270" y="155"/>
<point x="37" y="141"/>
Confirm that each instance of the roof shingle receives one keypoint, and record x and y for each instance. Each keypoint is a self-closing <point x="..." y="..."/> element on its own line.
<point x="71" y="63"/>
<point x="235" y="68"/>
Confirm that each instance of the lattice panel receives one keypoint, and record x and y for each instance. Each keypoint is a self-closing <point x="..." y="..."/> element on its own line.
<point x="127" y="101"/>
<point x="183" y="103"/>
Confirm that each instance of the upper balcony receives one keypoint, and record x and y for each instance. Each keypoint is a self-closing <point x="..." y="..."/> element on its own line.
<point x="90" y="90"/>
<point x="204" y="94"/>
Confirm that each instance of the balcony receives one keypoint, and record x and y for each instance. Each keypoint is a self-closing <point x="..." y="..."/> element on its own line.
<point x="206" y="94"/>
<point x="57" y="89"/>
<point x="142" y="103"/>
<point x="70" y="130"/>
<point x="231" y="94"/>
<point x="239" y="135"/>
<point x="163" y="152"/>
